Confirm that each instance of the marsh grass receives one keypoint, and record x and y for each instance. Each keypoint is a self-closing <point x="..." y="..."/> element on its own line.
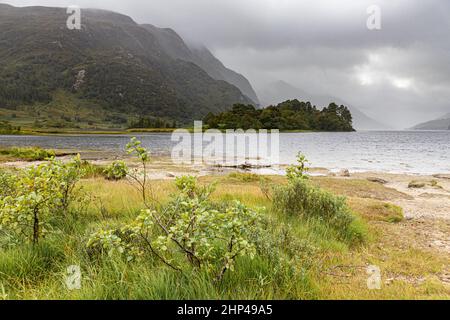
<point x="27" y="153"/>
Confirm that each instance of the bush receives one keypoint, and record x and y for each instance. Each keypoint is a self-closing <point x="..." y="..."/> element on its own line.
<point x="189" y="231"/>
<point x="309" y="202"/>
<point x="208" y="236"/>
<point x="7" y="184"/>
<point x="299" y="170"/>
<point x="117" y="170"/>
<point x="39" y="193"/>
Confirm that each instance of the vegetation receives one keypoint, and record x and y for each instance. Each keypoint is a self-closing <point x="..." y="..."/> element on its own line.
<point x="288" y="115"/>
<point x="28" y="154"/>
<point x="32" y="202"/>
<point x="7" y="128"/>
<point x="206" y="238"/>
<point x="117" y="170"/>
<point x="299" y="170"/>
<point x="310" y="203"/>
<point x="98" y="76"/>
<point x="152" y="123"/>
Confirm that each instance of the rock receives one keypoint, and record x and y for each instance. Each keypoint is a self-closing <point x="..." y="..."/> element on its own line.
<point x="377" y="180"/>
<point x="416" y="185"/>
<point x="442" y="176"/>
<point x="170" y="175"/>
<point x="344" y="173"/>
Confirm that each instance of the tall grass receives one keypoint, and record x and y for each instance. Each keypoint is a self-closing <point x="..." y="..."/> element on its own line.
<point x="288" y="251"/>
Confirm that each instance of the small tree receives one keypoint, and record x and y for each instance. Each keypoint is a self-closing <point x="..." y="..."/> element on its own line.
<point x="299" y="170"/>
<point x="208" y="235"/>
<point x="40" y="192"/>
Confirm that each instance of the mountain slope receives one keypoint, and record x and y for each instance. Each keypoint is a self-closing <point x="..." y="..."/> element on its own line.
<point x="112" y="63"/>
<point x="442" y="123"/>
<point x="281" y="90"/>
<point x="216" y="69"/>
<point x="176" y="47"/>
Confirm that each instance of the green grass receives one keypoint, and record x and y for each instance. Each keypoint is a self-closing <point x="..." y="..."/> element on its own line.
<point x="27" y="154"/>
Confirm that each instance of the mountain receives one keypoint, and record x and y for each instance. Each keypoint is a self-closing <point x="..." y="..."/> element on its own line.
<point x="111" y="68"/>
<point x="176" y="47"/>
<point x="281" y="90"/>
<point x="443" y="123"/>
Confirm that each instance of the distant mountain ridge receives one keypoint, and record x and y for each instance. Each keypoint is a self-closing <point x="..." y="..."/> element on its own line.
<point x="113" y="64"/>
<point x="443" y="123"/>
<point x="281" y="90"/>
<point x="177" y="48"/>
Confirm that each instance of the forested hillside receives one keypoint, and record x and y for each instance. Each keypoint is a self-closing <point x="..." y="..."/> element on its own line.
<point x="113" y="68"/>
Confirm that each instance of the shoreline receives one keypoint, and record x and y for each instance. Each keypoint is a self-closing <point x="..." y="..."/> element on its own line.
<point x="104" y="157"/>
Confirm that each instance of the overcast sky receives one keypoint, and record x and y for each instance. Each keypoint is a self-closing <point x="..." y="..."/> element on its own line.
<point x="399" y="74"/>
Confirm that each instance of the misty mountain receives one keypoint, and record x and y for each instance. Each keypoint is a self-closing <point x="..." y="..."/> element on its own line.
<point x="443" y="123"/>
<point x="281" y="90"/>
<point x="177" y="48"/>
<point x="113" y="63"/>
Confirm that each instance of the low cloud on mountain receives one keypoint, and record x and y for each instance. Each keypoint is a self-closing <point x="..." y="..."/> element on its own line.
<point x="323" y="47"/>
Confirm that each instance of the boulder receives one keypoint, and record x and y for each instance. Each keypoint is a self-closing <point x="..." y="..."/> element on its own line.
<point x="345" y="173"/>
<point x="377" y="180"/>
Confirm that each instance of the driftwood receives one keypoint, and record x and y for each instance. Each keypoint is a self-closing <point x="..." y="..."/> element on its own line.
<point x="244" y="166"/>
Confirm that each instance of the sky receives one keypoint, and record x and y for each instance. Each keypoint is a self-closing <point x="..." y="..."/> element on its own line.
<point x="398" y="73"/>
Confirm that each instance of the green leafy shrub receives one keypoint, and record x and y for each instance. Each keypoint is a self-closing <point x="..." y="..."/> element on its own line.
<point x="190" y="226"/>
<point x="7" y="184"/>
<point x="40" y="193"/>
<point x="190" y="230"/>
<point x="299" y="170"/>
<point x="117" y="170"/>
<point x="309" y="202"/>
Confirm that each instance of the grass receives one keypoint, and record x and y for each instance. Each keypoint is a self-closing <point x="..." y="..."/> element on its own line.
<point x="375" y="210"/>
<point x="359" y="188"/>
<point x="26" y="154"/>
<point x="324" y="265"/>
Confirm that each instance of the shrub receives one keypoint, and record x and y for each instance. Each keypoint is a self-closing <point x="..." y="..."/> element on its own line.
<point x="117" y="170"/>
<point x="309" y="202"/>
<point x="7" y="184"/>
<point x="190" y="226"/>
<point x="299" y="170"/>
<point x="190" y="230"/>
<point x="40" y="192"/>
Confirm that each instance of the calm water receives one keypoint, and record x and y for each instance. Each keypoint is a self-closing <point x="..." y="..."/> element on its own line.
<point x="389" y="151"/>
